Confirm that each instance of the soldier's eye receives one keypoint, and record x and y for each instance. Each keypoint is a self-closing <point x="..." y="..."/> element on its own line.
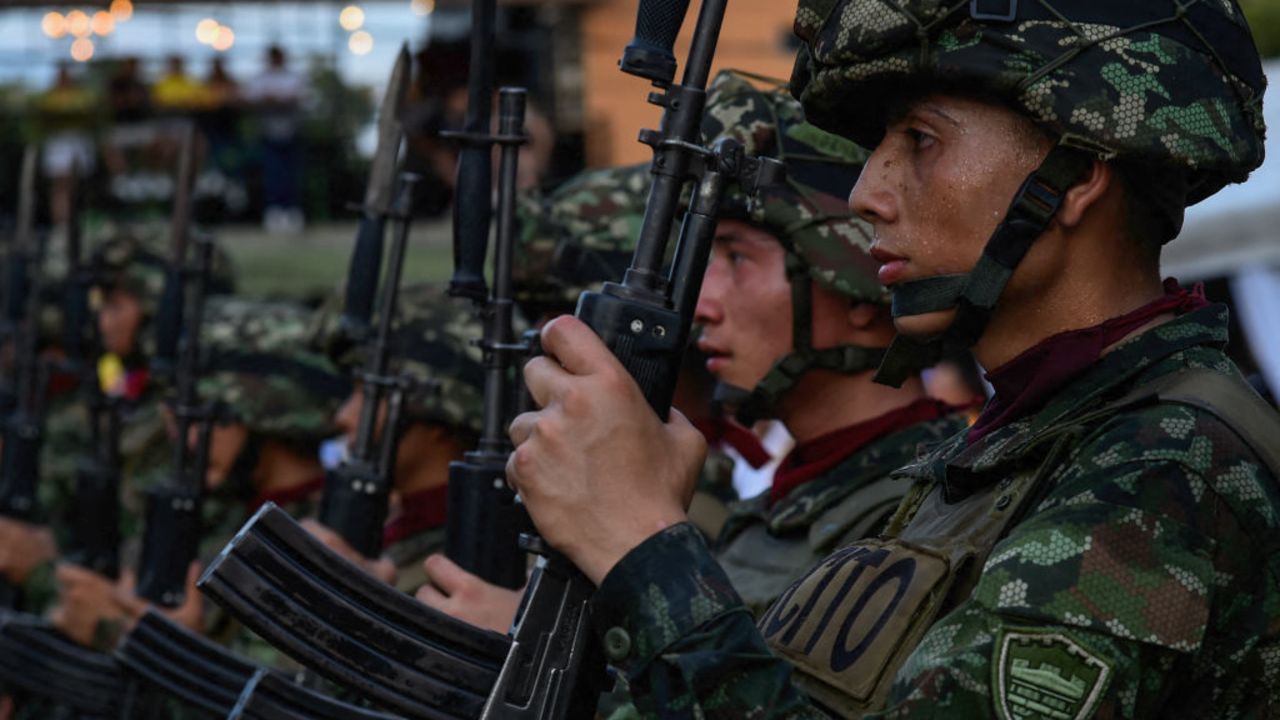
<point x="920" y="139"/>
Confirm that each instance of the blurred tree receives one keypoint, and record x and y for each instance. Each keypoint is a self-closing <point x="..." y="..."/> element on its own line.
<point x="1264" y="19"/>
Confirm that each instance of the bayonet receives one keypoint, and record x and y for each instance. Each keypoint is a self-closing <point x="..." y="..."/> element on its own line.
<point x="366" y="258"/>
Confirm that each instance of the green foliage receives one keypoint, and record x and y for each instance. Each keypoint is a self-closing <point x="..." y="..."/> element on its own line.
<point x="1264" y="19"/>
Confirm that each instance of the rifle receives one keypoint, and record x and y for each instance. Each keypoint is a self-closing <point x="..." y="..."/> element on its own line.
<point x="34" y="656"/>
<point x="554" y="668"/>
<point x="24" y="396"/>
<point x="95" y="514"/>
<point x="357" y="491"/>
<point x="171" y="537"/>
<point x="366" y="257"/>
<point x="485" y="520"/>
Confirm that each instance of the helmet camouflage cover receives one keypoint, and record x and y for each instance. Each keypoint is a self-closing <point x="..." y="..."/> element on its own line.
<point x="433" y="342"/>
<point x="809" y="213"/>
<point x="139" y="264"/>
<point x="258" y="367"/>
<point x="578" y="236"/>
<point x="1168" y="83"/>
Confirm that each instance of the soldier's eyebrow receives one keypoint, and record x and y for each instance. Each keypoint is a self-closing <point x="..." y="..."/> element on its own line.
<point x="933" y="109"/>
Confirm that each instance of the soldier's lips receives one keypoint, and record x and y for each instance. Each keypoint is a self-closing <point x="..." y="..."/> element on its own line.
<point x="893" y="267"/>
<point x="717" y="359"/>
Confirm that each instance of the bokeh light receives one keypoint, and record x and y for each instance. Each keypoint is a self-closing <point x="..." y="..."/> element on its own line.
<point x="78" y="23"/>
<point x="360" y="43"/>
<point x="422" y="7"/>
<point x="103" y="23"/>
<point x="121" y="10"/>
<point x="54" y="25"/>
<point x="351" y="17"/>
<point x="82" y="49"/>
<point x="207" y="30"/>
<point x="224" y="39"/>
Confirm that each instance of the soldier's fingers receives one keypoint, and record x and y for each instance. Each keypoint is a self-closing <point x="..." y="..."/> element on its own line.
<point x="521" y="428"/>
<point x="544" y="379"/>
<point x="445" y="574"/>
<point x="431" y="597"/>
<point x="576" y="346"/>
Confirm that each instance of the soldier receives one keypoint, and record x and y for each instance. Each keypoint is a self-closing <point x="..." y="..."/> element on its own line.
<point x="274" y="401"/>
<point x="1103" y="542"/>
<point x="432" y="343"/>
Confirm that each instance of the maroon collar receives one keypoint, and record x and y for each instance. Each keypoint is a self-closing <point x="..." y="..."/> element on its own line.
<point x="810" y="460"/>
<point x="1025" y="383"/>
<point x="720" y="430"/>
<point x="424" y="510"/>
<point x="289" y="495"/>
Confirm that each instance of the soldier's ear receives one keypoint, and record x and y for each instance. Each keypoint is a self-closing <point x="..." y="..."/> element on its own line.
<point x="1087" y="194"/>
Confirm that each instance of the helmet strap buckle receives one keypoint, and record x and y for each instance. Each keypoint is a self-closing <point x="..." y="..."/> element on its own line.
<point x="993" y="10"/>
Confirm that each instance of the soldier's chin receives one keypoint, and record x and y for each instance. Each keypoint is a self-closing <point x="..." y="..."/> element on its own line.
<point x="926" y="325"/>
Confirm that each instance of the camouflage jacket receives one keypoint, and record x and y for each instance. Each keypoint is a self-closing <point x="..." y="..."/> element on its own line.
<point x="1145" y="573"/>
<point x="764" y="548"/>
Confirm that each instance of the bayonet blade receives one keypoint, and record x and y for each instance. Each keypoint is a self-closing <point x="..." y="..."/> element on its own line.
<point x="382" y="174"/>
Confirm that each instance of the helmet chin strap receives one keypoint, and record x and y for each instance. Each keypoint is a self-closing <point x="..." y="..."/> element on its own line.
<point x="759" y="402"/>
<point x="974" y="294"/>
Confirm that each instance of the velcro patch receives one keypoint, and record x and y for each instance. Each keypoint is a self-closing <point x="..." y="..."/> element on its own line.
<point x="1046" y="674"/>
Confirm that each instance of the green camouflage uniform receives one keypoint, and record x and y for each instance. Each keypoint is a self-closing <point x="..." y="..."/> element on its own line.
<point x="1112" y="554"/>
<point x="259" y="372"/>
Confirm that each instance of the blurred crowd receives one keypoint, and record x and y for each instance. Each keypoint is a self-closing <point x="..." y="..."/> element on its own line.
<point x="132" y="125"/>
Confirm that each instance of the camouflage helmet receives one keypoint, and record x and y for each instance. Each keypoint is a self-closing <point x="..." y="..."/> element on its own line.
<point x="809" y="213"/>
<point x="578" y="236"/>
<point x="139" y="264"/>
<point x="259" y="369"/>
<point x="432" y="342"/>
<point x="1169" y="83"/>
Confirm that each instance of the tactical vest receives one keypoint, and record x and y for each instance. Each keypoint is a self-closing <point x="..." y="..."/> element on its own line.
<point x="851" y="623"/>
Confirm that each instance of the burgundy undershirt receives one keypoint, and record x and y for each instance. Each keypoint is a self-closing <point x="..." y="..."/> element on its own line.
<point x="810" y="460"/>
<point x="419" y="511"/>
<point x="724" y="431"/>
<point x="1025" y="383"/>
<point x="288" y="496"/>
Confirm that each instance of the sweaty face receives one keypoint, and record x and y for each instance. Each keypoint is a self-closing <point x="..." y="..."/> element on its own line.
<point x="936" y="188"/>
<point x="119" y="319"/>
<point x="745" y="305"/>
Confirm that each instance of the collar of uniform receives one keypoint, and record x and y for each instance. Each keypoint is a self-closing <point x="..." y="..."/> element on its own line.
<point x="964" y="468"/>
<point x="874" y="461"/>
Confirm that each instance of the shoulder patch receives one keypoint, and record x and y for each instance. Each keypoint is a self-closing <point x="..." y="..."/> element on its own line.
<point x="1046" y="674"/>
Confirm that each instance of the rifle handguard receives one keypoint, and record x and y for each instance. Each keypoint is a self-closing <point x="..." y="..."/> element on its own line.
<point x="169" y="544"/>
<point x="355" y="507"/>
<point x="484" y="516"/>
<point x="645" y="339"/>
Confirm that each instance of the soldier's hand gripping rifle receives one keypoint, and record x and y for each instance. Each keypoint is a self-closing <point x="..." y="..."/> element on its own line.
<point x="357" y="492"/>
<point x="554" y="668"/>
<point x="366" y="257"/>
<point x="172" y="531"/>
<point x="24" y="392"/>
<point x="484" y="519"/>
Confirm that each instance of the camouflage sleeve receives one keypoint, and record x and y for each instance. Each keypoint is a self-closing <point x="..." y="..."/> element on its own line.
<point x="686" y="644"/>
<point x="1084" y="610"/>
